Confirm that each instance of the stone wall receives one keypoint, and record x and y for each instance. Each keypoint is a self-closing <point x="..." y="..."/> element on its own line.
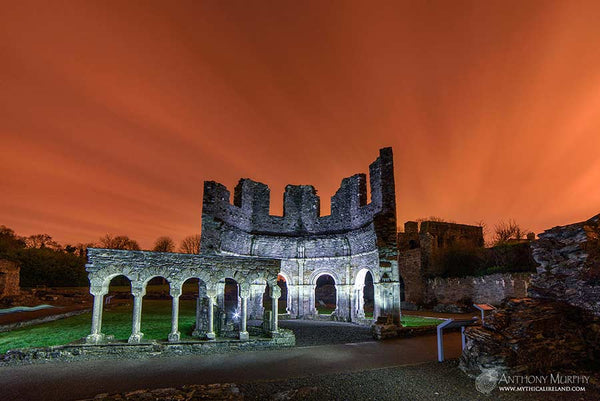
<point x="569" y="270"/>
<point x="491" y="289"/>
<point x="9" y="279"/>
<point x="409" y="264"/>
<point x="559" y="326"/>
<point x="357" y="237"/>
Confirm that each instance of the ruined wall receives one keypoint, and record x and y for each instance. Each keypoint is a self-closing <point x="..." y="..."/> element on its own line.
<point x="356" y="235"/>
<point x="419" y="250"/>
<point x="409" y="264"/>
<point x="434" y="238"/>
<point x="9" y="278"/>
<point x="569" y="270"/>
<point x="559" y="326"/>
<point x="491" y="289"/>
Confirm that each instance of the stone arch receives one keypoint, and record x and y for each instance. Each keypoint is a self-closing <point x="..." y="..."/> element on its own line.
<point x="361" y="291"/>
<point x="318" y="273"/>
<point x="320" y="300"/>
<point x="285" y="291"/>
<point x="116" y="303"/>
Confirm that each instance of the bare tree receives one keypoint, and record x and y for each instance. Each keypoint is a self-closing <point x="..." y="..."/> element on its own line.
<point x="118" y="242"/>
<point x="164" y="244"/>
<point x="505" y="231"/>
<point x="42" y="241"/>
<point x="486" y="232"/>
<point x="190" y="244"/>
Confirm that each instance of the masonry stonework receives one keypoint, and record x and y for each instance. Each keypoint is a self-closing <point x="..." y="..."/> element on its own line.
<point x="355" y="239"/>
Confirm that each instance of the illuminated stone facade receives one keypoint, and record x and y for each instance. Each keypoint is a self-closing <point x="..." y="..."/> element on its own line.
<point x="357" y="238"/>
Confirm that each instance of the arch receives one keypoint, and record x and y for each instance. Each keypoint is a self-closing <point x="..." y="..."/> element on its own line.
<point x="318" y="273"/>
<point x="193" y="313"/>
<point x="157" y="304"/>
<point x="359" y="279"/>
<point x="364" y="294"/>
<point x="325" y="302"/>
<point x="284" y="298"/>
<point x="117" y="309"/>
<point x="106" y="280"/>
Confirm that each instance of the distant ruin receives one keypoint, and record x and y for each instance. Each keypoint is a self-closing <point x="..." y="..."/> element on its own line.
<point x="9" y="279"/>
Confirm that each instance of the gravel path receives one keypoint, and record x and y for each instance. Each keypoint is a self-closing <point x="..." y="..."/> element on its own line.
<point x="310" y="332"/>
<point x="423" y="382"/>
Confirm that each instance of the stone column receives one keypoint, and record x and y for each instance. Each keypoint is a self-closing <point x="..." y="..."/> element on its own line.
<point x="360" y="301"/>
<point x="138" y="294"/>
<point x="244" y="293"/>
<point x="275" y="294"/>
<point x="255" y="302"/>
<point x="292" y="300"/>
<point x="96" y="335"/>
<point x="175" y="335"/>
<point x="376" y="300"/>
<point x="212" y="299"/>
<point x="199" y="299"/>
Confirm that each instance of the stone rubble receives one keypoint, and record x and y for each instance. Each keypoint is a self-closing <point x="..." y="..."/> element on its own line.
<point x="559" y="326"/>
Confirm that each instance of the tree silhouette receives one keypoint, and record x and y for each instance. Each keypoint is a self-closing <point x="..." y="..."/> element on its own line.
<point x="190" y="244"/>
<point x="164" y="244"/>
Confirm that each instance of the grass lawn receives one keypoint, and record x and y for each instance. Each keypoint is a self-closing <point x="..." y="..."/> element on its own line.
<point x="417" y="321"/>
<point x="324" y="310"/>
<point x="156" y="325"/>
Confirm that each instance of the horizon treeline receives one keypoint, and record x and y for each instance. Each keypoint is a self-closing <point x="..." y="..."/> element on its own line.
<point x="45" y="262"/>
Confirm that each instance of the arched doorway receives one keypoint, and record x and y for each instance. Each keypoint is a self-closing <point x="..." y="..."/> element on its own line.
<point x="325" y="295"/>
<point x="118" y="309"/>
<point x="193" y="308"/>
<point x="364" y="295"/>
<point x="157" y="307"/>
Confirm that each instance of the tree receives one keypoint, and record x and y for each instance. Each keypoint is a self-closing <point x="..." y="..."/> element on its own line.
<point x="40" y="241"/>
<point x="190" y="244"/>
<point x="164" y="244"/>
<point x="119" y="242"/>
<point x="9" y="241"/>
<point x="505" y="231"/>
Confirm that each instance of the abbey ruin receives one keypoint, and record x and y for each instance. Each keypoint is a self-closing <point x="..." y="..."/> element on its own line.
<point x="243" y="243"/>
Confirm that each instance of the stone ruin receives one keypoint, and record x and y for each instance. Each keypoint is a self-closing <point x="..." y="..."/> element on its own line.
<point x="558" y="326"/>
<point x="420" y="247"/>
<point x="9" y="279"/>
<point x="356" y="239"/>
<point x="241" y="241"/>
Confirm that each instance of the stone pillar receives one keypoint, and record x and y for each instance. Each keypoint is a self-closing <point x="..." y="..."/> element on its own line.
<point x="244" y="293"/>
<point x="96" y="335"/>
<point x="220" y="302"/>
<point x="255" y="302"/>
<point x="175" y="336"/>
<point x="275" y="294"/>
<point x="292" y="300"/>
<point x="212" y="299"/>
<point x="138" y="294"/>
<point x="199" y="299"/>
<point x="376" y="300"/>
<point x="360" y="302"/>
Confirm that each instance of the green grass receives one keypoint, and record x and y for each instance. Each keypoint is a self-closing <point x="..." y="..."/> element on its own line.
<point x="156" y="325"/>
<point x="324" y="310"/>
<point x="418" y="321"/>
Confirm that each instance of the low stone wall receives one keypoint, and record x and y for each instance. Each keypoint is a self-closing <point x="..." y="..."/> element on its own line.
<point x="151" y="349"/>
<point x="491" y="289"/>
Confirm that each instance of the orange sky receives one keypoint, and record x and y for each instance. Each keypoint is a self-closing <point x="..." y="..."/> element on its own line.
<point x="112" y="114"/>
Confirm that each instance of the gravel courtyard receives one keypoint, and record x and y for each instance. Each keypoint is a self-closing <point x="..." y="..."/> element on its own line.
<point x="311" y="332"/>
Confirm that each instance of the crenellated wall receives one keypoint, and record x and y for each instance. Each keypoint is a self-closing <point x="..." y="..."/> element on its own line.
<point x="308" y="243"/>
